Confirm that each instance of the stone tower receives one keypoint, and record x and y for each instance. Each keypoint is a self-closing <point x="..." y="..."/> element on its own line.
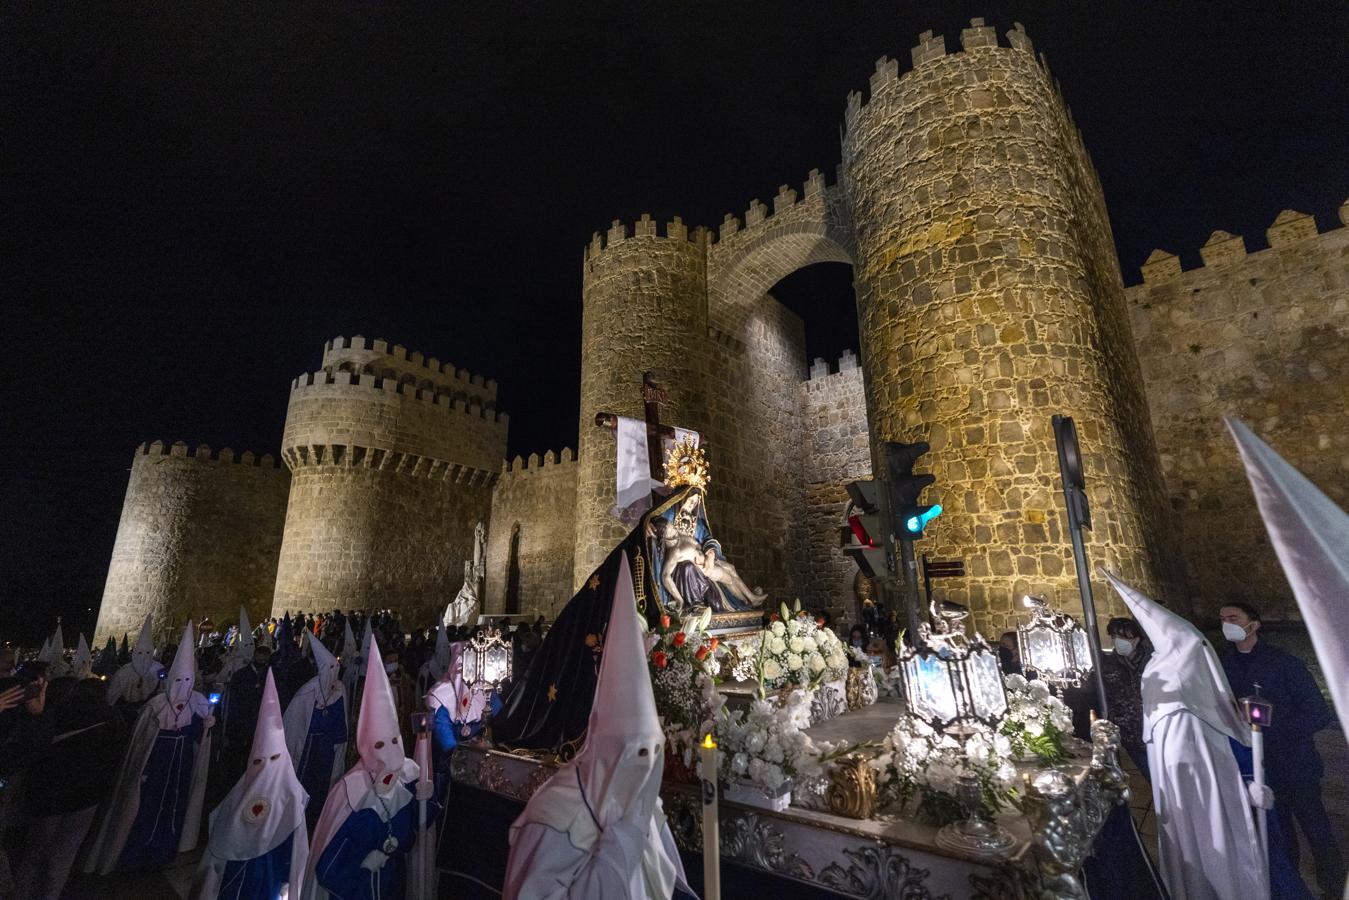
<point x="199" y="536"/>
<point x="989" y="297"/>
<point x="392" y="458"/>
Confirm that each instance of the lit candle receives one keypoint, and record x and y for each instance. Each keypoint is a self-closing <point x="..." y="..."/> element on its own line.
<point x="711" y="835"/>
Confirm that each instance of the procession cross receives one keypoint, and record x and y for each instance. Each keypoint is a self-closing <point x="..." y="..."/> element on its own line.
<point x="653" y="395"/>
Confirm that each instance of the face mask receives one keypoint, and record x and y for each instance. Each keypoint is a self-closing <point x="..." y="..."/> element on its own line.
<point x="1234" y="632"/>
<point x="876" y="661"/>
<point x="391" y="667"/>
<point x="1124" y="647"/>
<point x="857" y="643"/>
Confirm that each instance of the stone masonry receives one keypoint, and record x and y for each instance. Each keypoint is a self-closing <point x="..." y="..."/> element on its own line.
<point x="199" y="536"/>
<point x="1263" y="336"/>
<point x="988" y="298"/>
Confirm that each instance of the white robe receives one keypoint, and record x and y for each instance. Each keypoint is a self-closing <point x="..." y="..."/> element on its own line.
<point x="130" y="684"/>
<point x="1206" y="850"/>
<point x="123" y="803"/>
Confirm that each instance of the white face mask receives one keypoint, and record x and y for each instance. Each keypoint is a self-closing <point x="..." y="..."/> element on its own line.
<point x="1234" y="632"/>
<point x="877" y="661"/>
<point x="1124" y="646"/>
<point x="391" y="667"/>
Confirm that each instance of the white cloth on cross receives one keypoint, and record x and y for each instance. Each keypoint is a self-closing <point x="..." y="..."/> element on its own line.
<point x="634" y="481"/>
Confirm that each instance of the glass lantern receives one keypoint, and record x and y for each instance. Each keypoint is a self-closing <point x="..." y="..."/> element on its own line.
<point x="1053" y="645"/>
<point x="487" y="660"/>
<point x="1259" y="712"/>
<point x="953" y="683"/>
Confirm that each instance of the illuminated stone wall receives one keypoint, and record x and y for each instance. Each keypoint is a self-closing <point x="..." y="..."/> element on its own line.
<point x="989" y="297"/>
<point x="199" y="536"/>
<point x="1263" y="336"/>
<point x="532" y="541"/>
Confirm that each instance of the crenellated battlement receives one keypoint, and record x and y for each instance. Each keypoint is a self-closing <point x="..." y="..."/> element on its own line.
<point x="1222" y="248"/>
<point x="848" y="366"/>
<point x="362" y="355"/>
<point x="646" y="227"/>
<point x="815" y="191"/>
<point x="203" y="453"/>
<point x="458" y="403"/>
<point x="533" y="464"/>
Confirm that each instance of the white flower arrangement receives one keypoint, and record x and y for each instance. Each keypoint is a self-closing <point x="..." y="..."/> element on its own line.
<point x="1037" y="722"/>
<point x="793" y="651"/>
<point x="917" y="760"/>
<point x="765" y="746"/>
<point x="683" y="663"/>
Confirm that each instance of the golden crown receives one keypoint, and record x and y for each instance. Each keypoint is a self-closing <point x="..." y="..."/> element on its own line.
<point x="686" y="464"/>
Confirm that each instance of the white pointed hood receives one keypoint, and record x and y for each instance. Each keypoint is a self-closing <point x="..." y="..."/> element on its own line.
<point x="267" y="804"/>
<point x="45" y="654"/>
<point x="328" y="669"/>
<point x="1311" y="536"/>
<point x="83" y="666"/>
<point x="1184" y="673"/>
<point x="440" y="658"/>
<point x="348" y="642"/>
<point x="143" y="655"/>
<point x="58" y="643"/>
<point x="366" y="637"/>
<point x="378" y="738"/>
<point x="180" y="683"/>
<point x="464" y="703"/>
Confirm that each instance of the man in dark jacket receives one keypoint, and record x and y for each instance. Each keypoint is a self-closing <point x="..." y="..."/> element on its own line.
<point x="1122" y="672"/>
<point x="1293" y="767"/>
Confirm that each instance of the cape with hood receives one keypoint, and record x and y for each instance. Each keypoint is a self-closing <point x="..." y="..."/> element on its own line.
<point x="154" y="810"/>
<point x="83" y="665"/>
<point x="360" y="845"/>
<point x="137" y="681"/>
<point x="456" y="708"/>
<point x="54" y="655"/>
<point x="316" y="730"/>
<point x="259" y="845"/>
<point x="1206" y="832"/>
<point x="596" y="827"/>
<point x="433" y="670"/>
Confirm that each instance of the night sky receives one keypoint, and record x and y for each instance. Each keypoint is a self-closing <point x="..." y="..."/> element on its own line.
<point x="195" y="196"/>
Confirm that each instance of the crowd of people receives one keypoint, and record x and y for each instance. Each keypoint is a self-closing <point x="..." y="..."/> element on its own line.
<point x="119" y="759"/>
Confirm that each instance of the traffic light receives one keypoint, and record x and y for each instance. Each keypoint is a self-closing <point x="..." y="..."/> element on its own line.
<point x="910" y="516"/>
<point x="867" y="534"/>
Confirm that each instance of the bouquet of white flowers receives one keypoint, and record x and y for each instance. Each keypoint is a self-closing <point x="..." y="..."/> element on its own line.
<point x="1037" y="722"/>
<point x="764" y="744"/>
<point x="793" y="651"/>
<point x="915" y="759"/>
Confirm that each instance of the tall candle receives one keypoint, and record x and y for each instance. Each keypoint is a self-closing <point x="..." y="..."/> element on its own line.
<point x="711" y="828"/>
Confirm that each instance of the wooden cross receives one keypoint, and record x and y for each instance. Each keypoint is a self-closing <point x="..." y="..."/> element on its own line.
<point x="653" y="395"/>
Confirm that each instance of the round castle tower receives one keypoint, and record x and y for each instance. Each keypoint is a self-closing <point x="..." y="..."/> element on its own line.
<point x="199" y="536"/>
<point x="644" y="296"/>
<point x="392" y="458"/>
<point x="989" y="297"/>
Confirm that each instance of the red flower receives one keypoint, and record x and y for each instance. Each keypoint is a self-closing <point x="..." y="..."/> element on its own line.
<point x="713" y="646"/>
<point x="819" y="620"/>
<point x="679" y="638"/>
<point x="702" y="653"/>
<point x="659" y="659"/>
<point x="664" y="621"/>
<point x="774" y="617"/>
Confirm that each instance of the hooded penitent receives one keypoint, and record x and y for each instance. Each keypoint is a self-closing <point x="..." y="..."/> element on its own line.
<point x="83" y="665"/>
<point x="136" y="681"/>
<point x="462" y="702"/>
<point x="377" y="783"/>
<point x="1209" y="848"/>
<point x="261" y="816"/>
<point x="1311" y="536"/>
<point x="581" y="832"/>
<point x="154" y="810"/>
<point x="316" y="729"/>
<point x="433" y="670"/>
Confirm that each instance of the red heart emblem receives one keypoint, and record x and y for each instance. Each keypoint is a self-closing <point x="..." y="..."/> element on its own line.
<point x="180" y="707"/>
<point x="258" y="808"/>
<point x="388" y="778"/>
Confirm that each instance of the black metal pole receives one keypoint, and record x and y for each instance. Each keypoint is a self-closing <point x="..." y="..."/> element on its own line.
<point x="905" y="547"/>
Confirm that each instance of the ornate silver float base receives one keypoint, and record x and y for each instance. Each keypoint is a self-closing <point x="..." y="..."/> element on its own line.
<point x="977" y="837"/>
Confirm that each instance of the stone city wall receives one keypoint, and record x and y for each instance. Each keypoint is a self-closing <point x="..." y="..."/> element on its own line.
<point x="375" y="357"/>
<point x="836" y="449"/>
<point x="199" y="536"/>
<point x="1263" y="336"/>
<point x="989" y="297"/>
<point x="532" y="541"/>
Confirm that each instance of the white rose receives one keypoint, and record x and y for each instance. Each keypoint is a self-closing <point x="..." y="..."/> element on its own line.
<point x="816" y="663"/>
<point x="771" y="670"/>
<point x="837" y="661"/>
<point x="778" y="628"/>
<point x="797" y="645"/>
<point x="809" y="645"/>
<point x="1016" y="682"/>
<point x="1039" y="691"/>
<point x="793" y="661"/>
<point x="776" y="645"/>
<point x="740" y="764"/>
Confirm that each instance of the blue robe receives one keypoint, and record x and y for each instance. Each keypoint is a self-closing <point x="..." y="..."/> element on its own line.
<point x="260" y="878"/>
<point x="327" y="729"/>
<point x="166" y="784"/>
<point x="338" y="868"/>
<point x="447" y="734"/>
